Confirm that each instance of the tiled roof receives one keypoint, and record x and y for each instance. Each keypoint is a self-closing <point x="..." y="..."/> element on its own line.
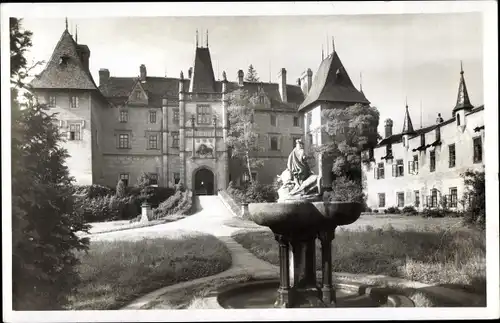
<point x="332" y="84"/>
<point x="203" y="79"/>
<point x="65" y="70"/>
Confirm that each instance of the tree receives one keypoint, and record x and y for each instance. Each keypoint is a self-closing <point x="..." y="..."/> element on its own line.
<point x="251" y="74"/>
<point x="44" y="222"/>
<point x="243" y="138"/>
<point x="350" y="130"/>
<point x="475" y="198"/>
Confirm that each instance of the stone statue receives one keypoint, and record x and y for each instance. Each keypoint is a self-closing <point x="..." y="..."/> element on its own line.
<point x="297" y="180"/>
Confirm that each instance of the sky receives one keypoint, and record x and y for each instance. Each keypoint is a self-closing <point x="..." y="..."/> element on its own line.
<point x="413" y="57"/>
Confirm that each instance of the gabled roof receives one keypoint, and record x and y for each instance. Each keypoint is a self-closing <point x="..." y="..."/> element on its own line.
<point x="202" y="80"/>
<point x="407" y="125"/>
<point x="65" y="70"/>
<point x="332" y="84"/>
<point x="463" y="101"/>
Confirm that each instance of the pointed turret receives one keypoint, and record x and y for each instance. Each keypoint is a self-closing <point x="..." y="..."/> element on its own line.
<point x="332" y="84"/>
<point x="463" y="101"/>
<point x="203" y="79"/>
<point x="407" y="124"/>
<point x="67" y="67"/>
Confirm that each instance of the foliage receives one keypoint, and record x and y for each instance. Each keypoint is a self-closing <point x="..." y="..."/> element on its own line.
<point x="144" y="182"/>
<point x="375" y="211"/>
<point x="44" y="223"/>
<point x="351" y="130"/>
<point x="252" y="193"/>
<point x="409" y="210"/>
<point x="243" y="138"/>
<point x="114" y="273"/>
<point x="392" y="210"/>
<point x="251" y="74"/>
<point x="475" y="195"/>
<point x="345" y="190"/>
<point x="121" y="189"/>
<point x="92" y="191"/>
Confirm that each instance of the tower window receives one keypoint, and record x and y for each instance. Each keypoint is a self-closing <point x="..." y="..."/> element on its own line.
<point x="478" y="150"/>
<point x="74" y="102"/>
<point x="432" y="164"/>
<point x="458" y="119"/>
<point x="203" y="114"/>
<point x="451" y="152"/>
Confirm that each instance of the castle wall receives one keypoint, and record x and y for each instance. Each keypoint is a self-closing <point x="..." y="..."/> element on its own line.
<point x="443" y="178"/>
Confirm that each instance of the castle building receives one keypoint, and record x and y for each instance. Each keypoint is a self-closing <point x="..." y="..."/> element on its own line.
<point x="423" y="167"/>
<point x="175" y="129"/>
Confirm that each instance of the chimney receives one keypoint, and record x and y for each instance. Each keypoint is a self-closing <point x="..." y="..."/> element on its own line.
<point x="103" y="76"/>
<point x="240" y="78"/>
<point x="282" y="84"/>
<point x="142" y="69"/>
<point x="190" y="72"/>
<point x="298" y="81"/>
<point x="306" y="81"/>
<point x="388" y="128"/>
<point x="309" y="79"/>
<point x="439" y="119"/>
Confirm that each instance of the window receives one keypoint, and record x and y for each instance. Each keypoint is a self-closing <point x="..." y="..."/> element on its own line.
<point x="398" y="168"/>
<point x="432" y="165"/>
<point x="415" y="164"/>
<point x="296" y="122"/>
<point x="478" y="150"/>
<point x="388" y="151"/>
<point x="453" y="197"/>
<point x="123" y="116"/>
<point x="203" y="113"/>
<point x="123" y="141"/>
<point x="73" y="103"/>
<point x="417" y="198"/>
<point x="153" y="142"/>
<point x="74" y="132"/>
<point x="175" y="140"/>
<point x="138" y="95"/>
<point x="124" y="177"/>
<point x="153" y="179"/>
<point x="274" y="143"/>
<point x="379" y="171"/>
<point x="451" y="152"/>
<point x="52" y="101"/>
<point x="176" y="116"/>
<point x="458" y="119"/>
<point x="273" y="120"/>
<point x="152" y="116"/>
<point x="422" y="140"/>
<point x="381" y="199"/>
<point x="401" y="199"/>
<point x="434" y="198"/>
<point x="177" y="178"/>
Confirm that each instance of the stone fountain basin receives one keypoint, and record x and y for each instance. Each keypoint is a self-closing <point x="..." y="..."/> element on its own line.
<point x="304" y="215"/>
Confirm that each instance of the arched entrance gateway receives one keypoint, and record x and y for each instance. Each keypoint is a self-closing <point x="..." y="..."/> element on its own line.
<point x="204" y="182"/>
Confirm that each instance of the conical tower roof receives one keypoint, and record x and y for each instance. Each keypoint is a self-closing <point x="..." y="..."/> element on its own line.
<point x="463" y="101"/>
<point x="203" y="79"/>
<point x="407" y="124"/>
<point x="65" y="69"/>
<point x="332" y="84"/>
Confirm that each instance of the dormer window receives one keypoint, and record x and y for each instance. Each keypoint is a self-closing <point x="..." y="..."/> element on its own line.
<point x="458" y="119"/>
<point x="63" y="60"/>
<point x="422" y="140"/>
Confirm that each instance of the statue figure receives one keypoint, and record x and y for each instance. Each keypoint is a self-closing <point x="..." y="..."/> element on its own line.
<point x="297" y="180"/>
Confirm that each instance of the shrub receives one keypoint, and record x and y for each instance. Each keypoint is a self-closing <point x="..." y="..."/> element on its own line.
<point x="392" y="210"/>
<point x="107" y="208"/>
<point x="375" y="211"/>
<point x="433" y="213"/>
<point x="475" y="197"/>
<point x="345" y="190"/>
<point x="253" y="193"/>
<point x="180" y="203"/>
<point x="409" y="210"/>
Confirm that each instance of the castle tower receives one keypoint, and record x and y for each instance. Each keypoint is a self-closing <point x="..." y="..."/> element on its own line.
<point x="463" y="104"/>
<point x="407" y="128"/>
<point x="67" y="87"/>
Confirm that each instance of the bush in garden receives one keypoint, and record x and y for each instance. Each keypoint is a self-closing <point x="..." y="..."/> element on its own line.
<point x="375" y="211"/>
<point x="253" y="193"/>
<point x="392" y="210"/>
<point x="345" y="190"/>
<point x="93" y="191"/>
<point x="409" y="210"/>
<point x="178" y="204"/>
<point x="107" y="208"/>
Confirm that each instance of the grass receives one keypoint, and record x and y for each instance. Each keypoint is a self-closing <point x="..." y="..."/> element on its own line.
<point x="116" y="272"/>
<point x="454" y="257"/>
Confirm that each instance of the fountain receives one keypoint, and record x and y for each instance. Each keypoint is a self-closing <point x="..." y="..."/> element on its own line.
<point x="298" y="219"/>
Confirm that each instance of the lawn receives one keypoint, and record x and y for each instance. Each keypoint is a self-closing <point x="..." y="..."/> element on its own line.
<point x="116" y="272"/>
<point x="435" y="256"/>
